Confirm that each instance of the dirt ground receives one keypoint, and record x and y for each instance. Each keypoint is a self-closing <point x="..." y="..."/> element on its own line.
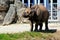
<point x="57" y="35"/>
<point x="54" y="36"/>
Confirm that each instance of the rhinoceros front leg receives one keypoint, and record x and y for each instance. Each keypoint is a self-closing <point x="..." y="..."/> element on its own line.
<point x="36" y="27"/>
<point x="46" y="25"/>
<point x="31" y="26"/>
<point x="40" y="24"/>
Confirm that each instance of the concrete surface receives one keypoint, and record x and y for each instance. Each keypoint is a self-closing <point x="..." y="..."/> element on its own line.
<point x="15" y="28"/>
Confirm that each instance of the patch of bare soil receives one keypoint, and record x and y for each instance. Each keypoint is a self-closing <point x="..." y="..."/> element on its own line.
<point x="54" y="36"/>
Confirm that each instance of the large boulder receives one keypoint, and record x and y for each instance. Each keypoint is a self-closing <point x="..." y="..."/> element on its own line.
<point x="3" y="6"/>
<point x="20" y="9"/>
<point x="10" y="16"/>
<point x="14" y="13"/>
<point x="2" y="15"/>
<point x="18" y="4"/>
<point x="3" y="10"/>
<point x="21" y="19"/>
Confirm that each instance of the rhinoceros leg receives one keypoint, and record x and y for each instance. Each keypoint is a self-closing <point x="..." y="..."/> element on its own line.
<point x="36" y="27"/>
<point x="41" y="24"/>
<point x="31" y="25"/>
<point x="46" y="25"/>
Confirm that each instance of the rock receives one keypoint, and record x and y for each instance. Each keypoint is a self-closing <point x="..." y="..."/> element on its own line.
<point x="3" y="6"/>
<point x="20" y="9"/>
<point x="2" y="15"/>
<point x="18" y="4"/>
<point x="12" y="1"/>
<point x="10" y="15"/>
<point x="14" y="13"/>
<point x="19" y="14"/>
<point x="21" y="19"/>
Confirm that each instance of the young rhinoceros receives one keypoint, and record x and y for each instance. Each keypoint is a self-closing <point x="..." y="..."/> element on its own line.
<point x="37" y="14"/>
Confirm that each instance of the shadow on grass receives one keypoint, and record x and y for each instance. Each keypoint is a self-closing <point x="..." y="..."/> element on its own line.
<point x="47" y="31"/>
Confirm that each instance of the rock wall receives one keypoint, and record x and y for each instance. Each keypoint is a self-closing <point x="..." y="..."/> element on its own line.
<point x="14" y="12"/>
<point x="10" y="15"/>
<point x="20" y="8"/>
<point x="4" y="7"/>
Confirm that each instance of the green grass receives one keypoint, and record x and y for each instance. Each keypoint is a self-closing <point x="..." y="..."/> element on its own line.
<point x="23" y="36"/>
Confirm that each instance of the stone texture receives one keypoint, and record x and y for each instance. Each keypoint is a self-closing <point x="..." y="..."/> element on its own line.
<point x="18" y="4"/>
<point x="14" y="13"/>
<point x="20" y="9"/>
<point x="10" y="15"/>
<point x="21" y="19"/>
<point x="3" y="5"/>
<point x="2" y="15"/>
